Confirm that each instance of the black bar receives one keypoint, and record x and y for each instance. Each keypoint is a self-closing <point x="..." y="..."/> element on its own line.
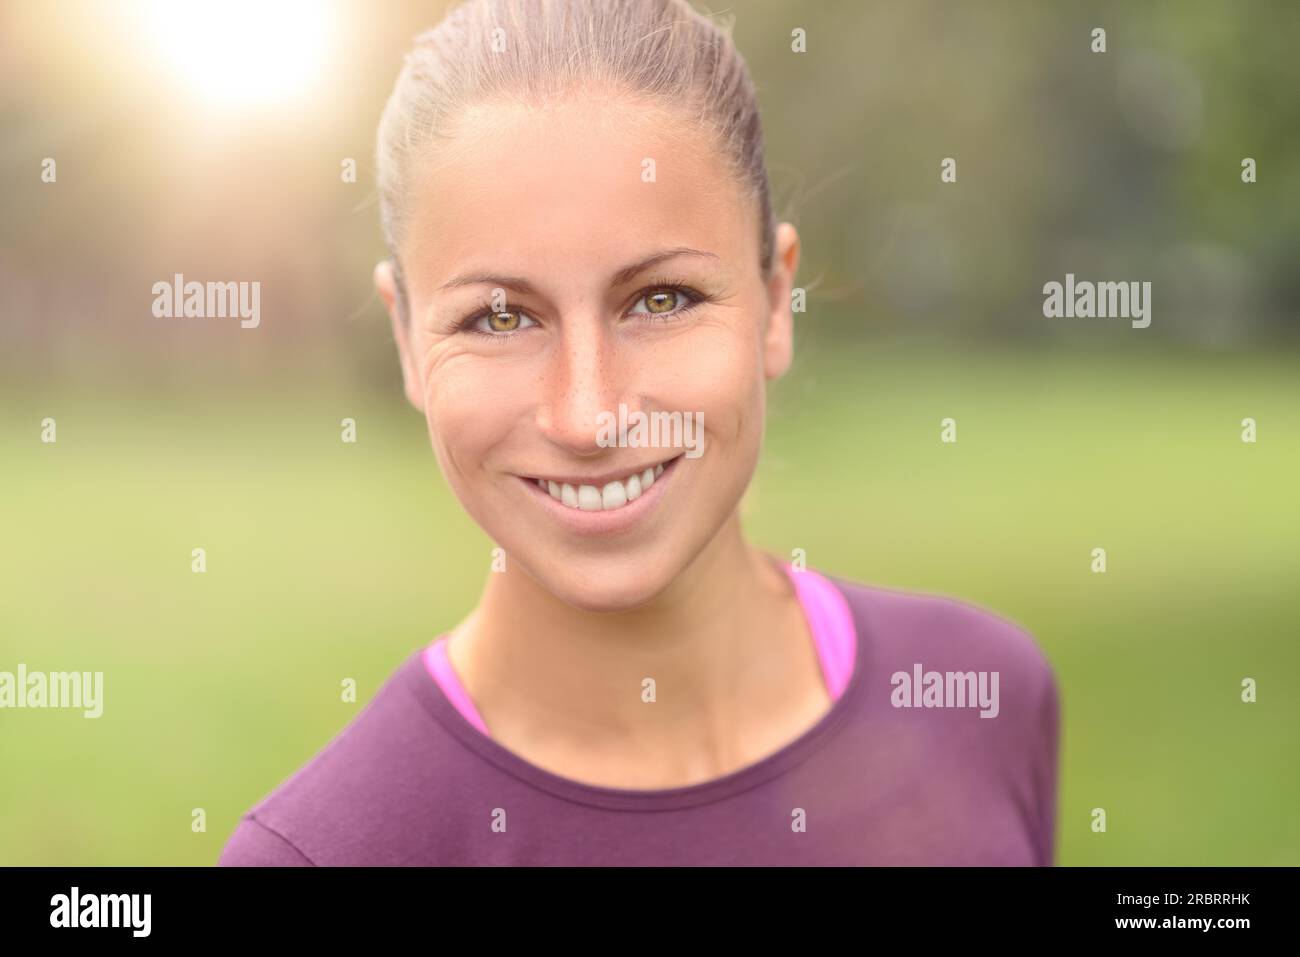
<point x="479" y="905"/>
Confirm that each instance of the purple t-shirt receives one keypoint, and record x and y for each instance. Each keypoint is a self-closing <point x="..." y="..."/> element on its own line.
<point x="940" y="748"/>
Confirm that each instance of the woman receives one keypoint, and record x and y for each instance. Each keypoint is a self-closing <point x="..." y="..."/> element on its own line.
<point x="577" y="206"/>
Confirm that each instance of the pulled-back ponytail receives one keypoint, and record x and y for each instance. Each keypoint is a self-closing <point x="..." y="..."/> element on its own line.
<point x="537" y="50"/>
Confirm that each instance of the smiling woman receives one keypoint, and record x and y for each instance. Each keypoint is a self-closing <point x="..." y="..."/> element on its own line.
<point x="576" y="203"/>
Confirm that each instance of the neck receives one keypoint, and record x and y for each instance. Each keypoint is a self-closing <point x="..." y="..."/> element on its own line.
<point x="712" y="642"/>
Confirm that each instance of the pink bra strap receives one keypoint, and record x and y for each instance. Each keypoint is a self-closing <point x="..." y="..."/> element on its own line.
<point x="438" y="665"/>
<point x="831" y="623"/>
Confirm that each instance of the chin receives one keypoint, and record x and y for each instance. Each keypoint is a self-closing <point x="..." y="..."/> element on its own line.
<point x="597" y="584"/>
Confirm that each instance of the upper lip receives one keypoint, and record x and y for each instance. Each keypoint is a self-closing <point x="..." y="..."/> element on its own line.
<point x="600" y="479"/>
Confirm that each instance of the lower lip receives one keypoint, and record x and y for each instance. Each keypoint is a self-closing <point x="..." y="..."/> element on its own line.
<point x="604" y="522"/>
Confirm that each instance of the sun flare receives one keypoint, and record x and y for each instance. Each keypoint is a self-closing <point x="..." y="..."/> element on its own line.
<point x="239" y="52"/>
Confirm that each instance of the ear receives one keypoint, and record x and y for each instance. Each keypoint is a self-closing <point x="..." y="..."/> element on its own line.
<point x="386" y="286"/>
<point x="778" y="340"/>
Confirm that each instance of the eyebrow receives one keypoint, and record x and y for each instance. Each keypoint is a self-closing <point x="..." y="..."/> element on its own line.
<point x="622" y="276"/>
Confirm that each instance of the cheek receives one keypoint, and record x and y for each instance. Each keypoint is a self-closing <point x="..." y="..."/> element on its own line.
<point x="471" y="408"/>
<point x="715" y="371"/>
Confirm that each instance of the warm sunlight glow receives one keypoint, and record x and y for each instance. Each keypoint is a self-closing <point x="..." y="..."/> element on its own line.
<point x="242" y="52"/>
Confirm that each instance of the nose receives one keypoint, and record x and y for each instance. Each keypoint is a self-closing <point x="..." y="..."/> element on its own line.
<point x="584" y="376"/>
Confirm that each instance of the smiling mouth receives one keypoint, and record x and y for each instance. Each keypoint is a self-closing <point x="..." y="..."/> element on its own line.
<point x="608" y="496"/>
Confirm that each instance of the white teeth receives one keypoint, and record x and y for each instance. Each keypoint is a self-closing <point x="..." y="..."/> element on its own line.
<point x="613" y="495"/>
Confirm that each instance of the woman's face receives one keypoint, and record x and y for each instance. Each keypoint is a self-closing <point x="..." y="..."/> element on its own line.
<point x="549" y="283"/>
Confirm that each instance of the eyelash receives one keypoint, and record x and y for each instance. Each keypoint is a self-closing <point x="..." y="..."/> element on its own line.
<point x="469" y="323"/>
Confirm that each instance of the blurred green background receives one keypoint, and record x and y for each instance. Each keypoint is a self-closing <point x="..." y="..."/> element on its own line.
<point x="328" y="560"/>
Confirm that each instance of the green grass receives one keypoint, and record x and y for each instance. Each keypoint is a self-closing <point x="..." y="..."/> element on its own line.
<point x="328" y="561"/>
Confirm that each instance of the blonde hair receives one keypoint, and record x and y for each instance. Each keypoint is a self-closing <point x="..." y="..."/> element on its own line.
<point x="532" y="50"/>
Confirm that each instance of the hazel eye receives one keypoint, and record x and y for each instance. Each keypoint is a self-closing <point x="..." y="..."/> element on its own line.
<point x="502" y="323"/>
<point x="667" y="300"/>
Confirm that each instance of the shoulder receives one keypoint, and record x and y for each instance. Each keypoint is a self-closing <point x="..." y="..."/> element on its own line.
<point x="349" y="803"/>
<point x="931" y="668"/>
<point x="901" y="629"/>
<point x="933" y="662"/>
<point x="253" y="844"/>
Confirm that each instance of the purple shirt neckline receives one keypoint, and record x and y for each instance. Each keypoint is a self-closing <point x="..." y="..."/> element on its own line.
<point x="835" y="639"/>
<point x="409" y="781"/>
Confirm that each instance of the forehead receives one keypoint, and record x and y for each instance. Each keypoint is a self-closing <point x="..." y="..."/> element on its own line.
<point x="581" y="183"/>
